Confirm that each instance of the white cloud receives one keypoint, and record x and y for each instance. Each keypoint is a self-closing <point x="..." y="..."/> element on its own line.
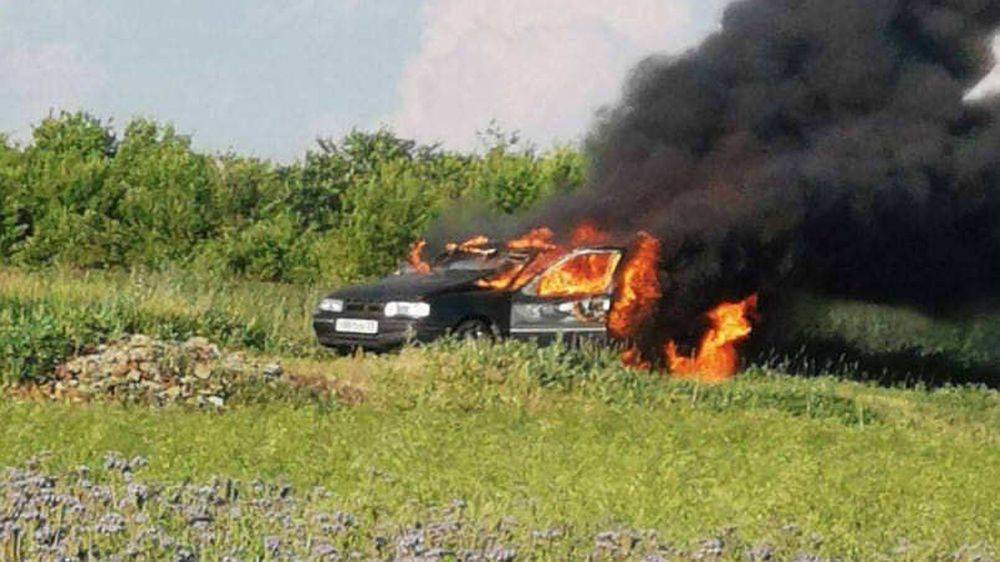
<point x="542" y="67"/>
<point x="37" y="79"/>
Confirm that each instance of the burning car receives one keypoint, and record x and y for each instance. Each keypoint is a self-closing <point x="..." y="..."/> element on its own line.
<point x="535" y="288"/>
<point x="528" y="288"/>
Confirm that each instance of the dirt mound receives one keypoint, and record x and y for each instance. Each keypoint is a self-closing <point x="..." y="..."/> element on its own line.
<point x="140" y="369"/>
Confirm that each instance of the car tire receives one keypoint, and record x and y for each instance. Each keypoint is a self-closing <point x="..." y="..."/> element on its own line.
<point x="474" y="329"/>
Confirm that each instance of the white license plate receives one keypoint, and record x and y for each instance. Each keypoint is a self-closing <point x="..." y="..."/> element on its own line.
<point x="352" y="326"/>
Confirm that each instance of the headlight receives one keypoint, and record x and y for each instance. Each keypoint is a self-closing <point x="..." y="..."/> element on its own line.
<point x="407" y="309"/>
<point x="331" y="305"/>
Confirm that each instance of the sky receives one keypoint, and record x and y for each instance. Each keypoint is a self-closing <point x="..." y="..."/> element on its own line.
<point x="267" y="77"/>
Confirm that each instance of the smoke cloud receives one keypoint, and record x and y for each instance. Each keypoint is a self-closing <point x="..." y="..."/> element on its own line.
<point x="810" y="144"/>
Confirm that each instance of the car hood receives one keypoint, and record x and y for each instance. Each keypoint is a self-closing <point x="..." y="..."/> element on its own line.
<point x="410" y="286"/>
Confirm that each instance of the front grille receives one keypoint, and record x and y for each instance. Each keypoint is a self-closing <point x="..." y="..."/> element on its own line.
<point x="363" y="307"/>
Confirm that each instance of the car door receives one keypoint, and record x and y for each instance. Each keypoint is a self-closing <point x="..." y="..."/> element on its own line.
<point x="569" y="299"/>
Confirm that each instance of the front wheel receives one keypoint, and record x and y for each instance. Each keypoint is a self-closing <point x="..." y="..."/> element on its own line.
<point x="475" y="329"/>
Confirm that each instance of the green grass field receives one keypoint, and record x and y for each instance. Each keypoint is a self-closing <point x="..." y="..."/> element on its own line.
<point x="535" y="438"/>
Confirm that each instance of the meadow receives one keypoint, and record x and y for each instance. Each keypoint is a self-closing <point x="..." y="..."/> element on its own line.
<point x="857" y="431"/>
<point x="531" y="442"/>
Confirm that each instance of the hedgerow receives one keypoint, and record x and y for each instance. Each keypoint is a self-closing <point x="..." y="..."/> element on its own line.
<point x="84" y="195"/>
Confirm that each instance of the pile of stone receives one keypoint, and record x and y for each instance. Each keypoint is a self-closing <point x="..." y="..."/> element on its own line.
<point x="140" y="369"/>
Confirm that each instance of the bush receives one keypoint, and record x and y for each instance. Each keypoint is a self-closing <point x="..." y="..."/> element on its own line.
<point x="64" y="213"/>
<point x="165" y="195"/>
<point x="272" y="249"/>
<point x="12" y="216"/>
<point x="80" y="195"/>
<point x="382" y="217"/>
<point x="512" y="177"/>
<point x="31" y="343"/>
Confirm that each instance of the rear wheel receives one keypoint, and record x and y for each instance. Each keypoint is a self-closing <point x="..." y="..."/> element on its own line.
<point x="474" y="329"/>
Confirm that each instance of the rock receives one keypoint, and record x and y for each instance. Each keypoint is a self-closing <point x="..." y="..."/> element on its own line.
<point x="139" y="340"/>
<point x="140" y="369"/>
<point x="203" y="371"/>
<point x="201" y="349"/>
<point x="272" y="370"/>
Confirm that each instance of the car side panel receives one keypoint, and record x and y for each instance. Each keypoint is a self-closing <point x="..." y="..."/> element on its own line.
<point x="450" y="309"/>
<point x="546" y="319"/>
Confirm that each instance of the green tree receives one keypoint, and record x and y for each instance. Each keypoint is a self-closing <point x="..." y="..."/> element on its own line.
<point x="166" y="194"/>
<point x="64" y="211"/>
<point x="382" y="217"/>
<point x="79" y="195"/>
<point x="14" y="222"/>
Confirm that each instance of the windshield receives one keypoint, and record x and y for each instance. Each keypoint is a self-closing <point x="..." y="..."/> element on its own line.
<point x="484" y="263"/>
<point x="470" y="262"/>
<point x="469" y="265"/>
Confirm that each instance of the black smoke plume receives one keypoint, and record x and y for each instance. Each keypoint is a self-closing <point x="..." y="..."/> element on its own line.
<point x="822" y="145"/>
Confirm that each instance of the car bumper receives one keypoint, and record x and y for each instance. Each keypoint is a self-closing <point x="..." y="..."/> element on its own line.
<point x="391" y="333"/>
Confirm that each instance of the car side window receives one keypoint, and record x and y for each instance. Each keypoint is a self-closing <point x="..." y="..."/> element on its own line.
<point x="584" y="274"/>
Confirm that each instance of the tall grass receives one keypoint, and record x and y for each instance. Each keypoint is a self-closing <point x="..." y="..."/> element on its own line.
<point x="45" y="316"/>
<point x="884" y="343"/>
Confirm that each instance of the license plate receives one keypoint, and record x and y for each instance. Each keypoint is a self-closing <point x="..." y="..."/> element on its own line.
<point x="352" y="326"/>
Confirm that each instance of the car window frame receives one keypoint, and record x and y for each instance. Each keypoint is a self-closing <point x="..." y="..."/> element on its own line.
<point x="531" y="289"/>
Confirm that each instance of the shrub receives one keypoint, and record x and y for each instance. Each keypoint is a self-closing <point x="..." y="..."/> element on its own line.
<point x="382" y="217"/>
<point x="80" y="195"/>
<point x="164" y="194"/>
<point x="64" y="211"/>
<point x="272" y="249"/>
<point x="13" y="222"/>
<point x="32" y="342"/>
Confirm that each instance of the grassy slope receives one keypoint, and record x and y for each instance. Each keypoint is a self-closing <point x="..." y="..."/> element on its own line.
<point x="553" y="439"/>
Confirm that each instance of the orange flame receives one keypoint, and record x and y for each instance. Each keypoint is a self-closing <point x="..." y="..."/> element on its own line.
<point x="501" y="281"/>
<point x="537" y="239"/>
<point x="472" y="245"/>
<point x="504" y="280"/>
<point x="586" y="234"/>
<point x="517" y="276"/>
<point x="530" y="270"/>
<point x="416" y="260"/>
<point x="632" y="358"/>
<point x="716" y="359"/>
<point x="583" y="275"/>
<point x="638" y="289"/>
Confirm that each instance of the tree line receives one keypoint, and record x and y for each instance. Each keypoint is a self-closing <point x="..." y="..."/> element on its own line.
<point x="80" y="194"/>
